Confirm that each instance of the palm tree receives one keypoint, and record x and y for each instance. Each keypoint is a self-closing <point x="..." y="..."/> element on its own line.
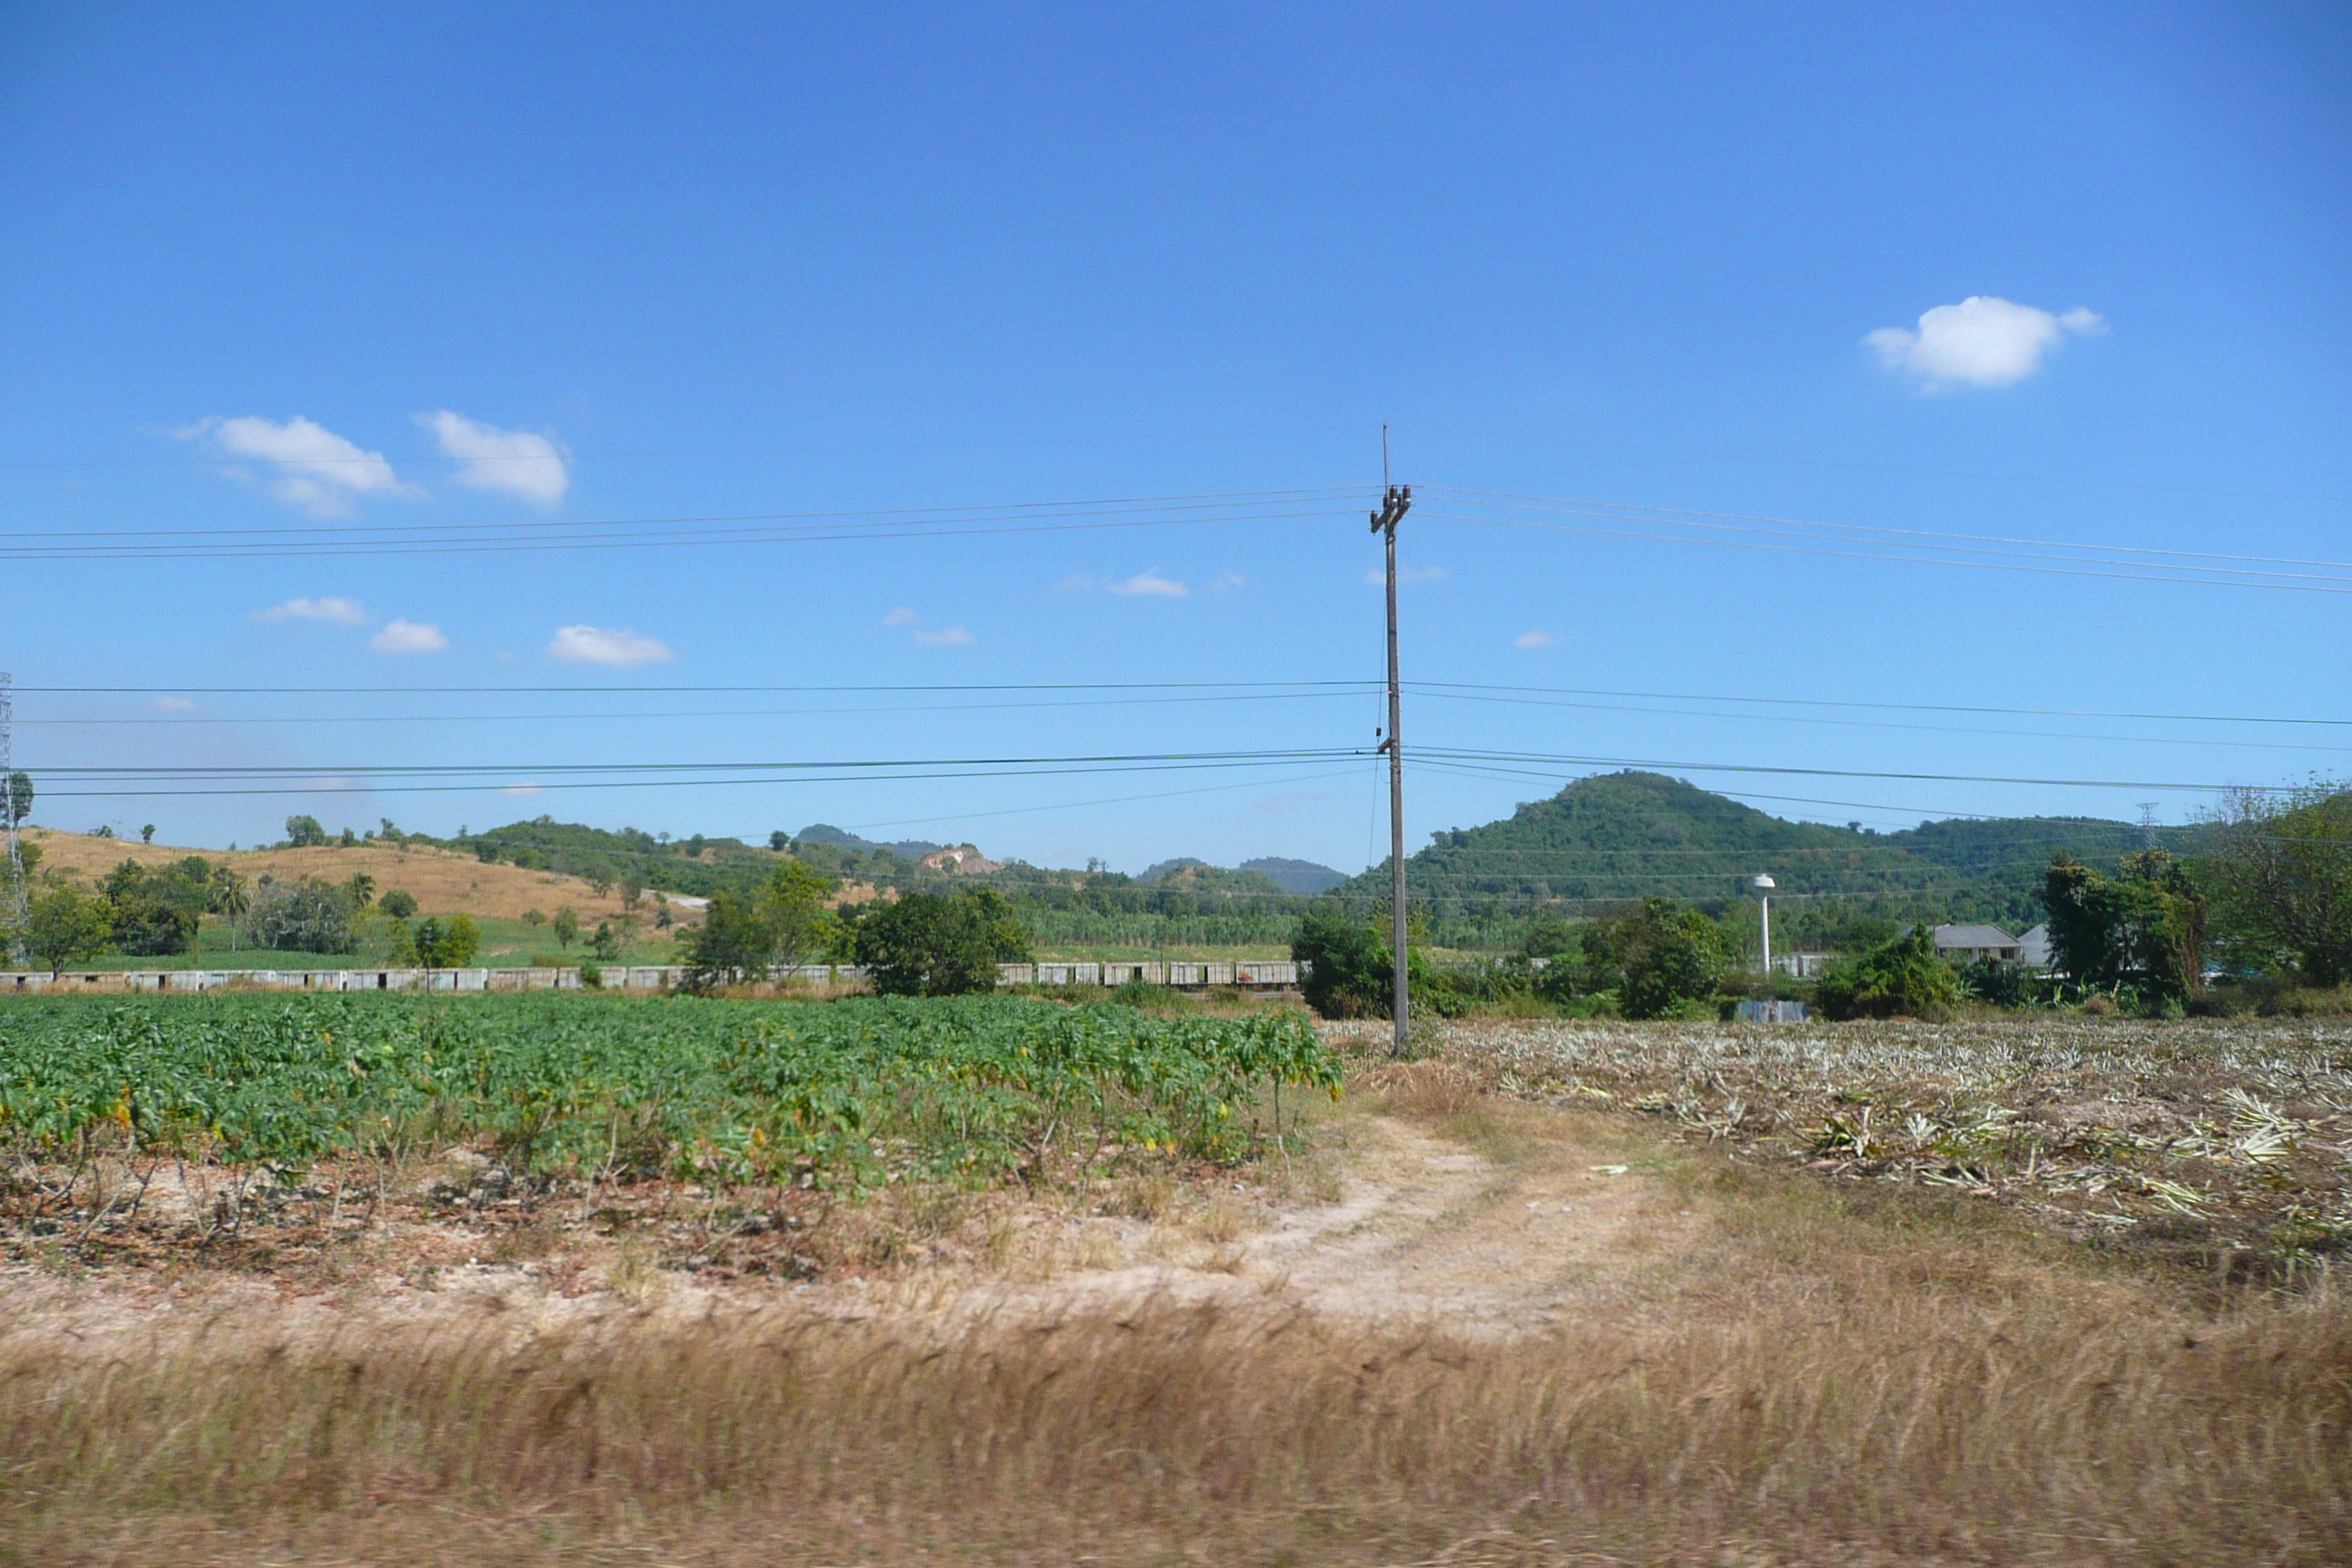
<point x="225" y="896"/>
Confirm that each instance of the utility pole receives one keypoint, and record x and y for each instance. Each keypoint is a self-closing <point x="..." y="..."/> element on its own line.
<point x="1395" y="501"/>
<point x="19" y="909"/>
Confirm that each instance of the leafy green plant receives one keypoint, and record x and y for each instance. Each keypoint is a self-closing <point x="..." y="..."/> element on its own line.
<point x="1903" y="977"/>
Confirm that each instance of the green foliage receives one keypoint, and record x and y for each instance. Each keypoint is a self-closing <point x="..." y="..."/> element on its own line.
<point x="1900" y="977"/>
<point x="304" y="833"/>
<point x="1349" y="973"/>
<point x="1659" y="956"/>
<point x="784" y="923"/>
<point x="306" y="916"/>
<point x="16" y="804"/>
<point x="64" y="924"/>
<point x="924" y="945"/>
<point x="157" y="912"/>
<point x="566" y="926"/>
<point x="2144" y="927"/>
<point x="401" y="905"/>
<point x="872" y="1089"/>
<point x="447" y="943"/>
<point x="2280" y="875"/>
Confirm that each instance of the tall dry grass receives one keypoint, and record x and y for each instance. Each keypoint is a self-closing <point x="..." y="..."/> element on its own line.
<point x="1893" y="1426"/>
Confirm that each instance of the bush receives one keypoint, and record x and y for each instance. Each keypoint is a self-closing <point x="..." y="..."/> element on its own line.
<point x="1349" y="972"/>
<point x="1656" y="955"/>
<point x="1903" y="977"/>
<point x="399" y="905"/>
<point x="922" y="944"/>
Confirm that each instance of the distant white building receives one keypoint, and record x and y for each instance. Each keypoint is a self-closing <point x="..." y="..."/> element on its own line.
<point x="2033" y="947"/>
<point x="1801" y="965"/>
<point x="1972" y="944"/>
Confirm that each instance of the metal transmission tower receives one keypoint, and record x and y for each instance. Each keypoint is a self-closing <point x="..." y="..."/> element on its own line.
<point x="19" y="909"/>
<point x="2147" y="823"/>
<point x="1394" y="504"/>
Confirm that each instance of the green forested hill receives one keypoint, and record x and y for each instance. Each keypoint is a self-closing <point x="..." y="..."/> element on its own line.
<point x="1622" y="835"/>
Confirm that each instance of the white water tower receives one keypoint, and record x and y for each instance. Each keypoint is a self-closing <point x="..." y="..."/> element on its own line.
<point x="1763" y="885"/>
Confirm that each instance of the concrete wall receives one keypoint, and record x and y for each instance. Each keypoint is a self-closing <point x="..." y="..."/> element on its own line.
<point x="648" y="977"/>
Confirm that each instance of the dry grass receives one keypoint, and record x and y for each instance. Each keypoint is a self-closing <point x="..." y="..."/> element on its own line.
<point x="1872" y="1425"/>
<point x="441" y="882"/>
<point x="1807" y="1373"/>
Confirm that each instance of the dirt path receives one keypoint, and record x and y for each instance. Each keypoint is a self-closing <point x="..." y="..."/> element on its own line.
<point x="1505" y="1220"/>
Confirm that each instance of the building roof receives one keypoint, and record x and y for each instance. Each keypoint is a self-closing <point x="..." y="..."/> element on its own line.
<point x="1972" y="936"/>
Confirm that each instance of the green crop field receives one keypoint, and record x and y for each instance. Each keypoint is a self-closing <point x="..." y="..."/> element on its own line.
<point x="855" y="1093"/>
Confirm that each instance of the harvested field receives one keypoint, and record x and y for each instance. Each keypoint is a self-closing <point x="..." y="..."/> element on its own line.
<point x="2224" y="1144"/>
<point x="1465" y="1318"/>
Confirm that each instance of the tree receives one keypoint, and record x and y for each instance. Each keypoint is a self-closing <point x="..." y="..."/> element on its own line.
<point x="607" y="944"/>
<point x="225" y="896"/>
<point x="1902" y="977"/>
<point x="1349" y="971"/>
<point x="2144" y="927"/>
<point x="600" y="880"/>
<point x="1659" y="956"/>
<point x="633" y="887"/>
<point x="447" y="944"/>
<point x="304" y="833"/>
<point x="18" y="805"/>
<point x="780" y="841"/>
<point x="567" y="927"/>
<point x="401" y="905"/>
<point x="64" y="923"/>
<point x="2281" y="879"/>
<point x="744" y="936"/>
<point x="534" y="918"/>
<point x="147" y="834"/>
<point x="310" y="915"/>
<point x="792" y="905"/>
<point x="363" y="889"/>
<point x="922" y="944"/>
<point x="156" y="912"/>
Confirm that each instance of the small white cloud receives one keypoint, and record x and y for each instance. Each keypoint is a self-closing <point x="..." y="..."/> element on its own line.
<point x="521" y="789"/>
<point x="342" y="612"/>
<point x="1149" y="584"/>
<point x="318" y="471"/>
<point x="901" y="616"/>
<point x="514" y="462"/>
<point x="1143" y="584"/>
<point x="175" y="705"/>
<point x="1536" y="638"/>
<point x="408" y="637"/>
<point x="595" y="644"/>
<point x="1983" y="341"/>
<point x="1228" y="582"/>
<point x="1378" y="576"/>
<point x="953" y="636"/>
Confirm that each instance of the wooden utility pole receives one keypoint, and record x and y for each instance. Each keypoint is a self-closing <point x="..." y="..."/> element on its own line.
<point x="1394" y="503"/>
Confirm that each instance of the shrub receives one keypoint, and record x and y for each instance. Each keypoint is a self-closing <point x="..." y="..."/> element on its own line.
<point x="1656" y="955"/>
<point x="1900" y="977"/>
<point x="925" y="945"/>
<point x="400" y="906"/>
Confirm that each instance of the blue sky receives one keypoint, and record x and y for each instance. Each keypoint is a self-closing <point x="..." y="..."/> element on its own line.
<point x="478" y="270"/>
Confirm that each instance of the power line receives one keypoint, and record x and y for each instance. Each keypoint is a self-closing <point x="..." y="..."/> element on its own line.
<point x="1581" y="507"/>
<point x="1882" y="707"/>
<point x="1879" y="468"/>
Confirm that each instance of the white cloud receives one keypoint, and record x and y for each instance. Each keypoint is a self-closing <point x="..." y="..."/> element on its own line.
<point x="1536" y="638"/>
<point x="1378" y="575"/>
<point x="1149" y="584"/>
<point x="1983" y="341"/>
<point x="342" y="612"/>
<point x="515" y="462"/>
<point x="901" y="616"/>
<point x="595" y="644"/>
<point x="1228" y="582"/>
<point x="408" y="637"/>
<point x="317" y="469"/>
<point x="953" y="636"/>
<point x="175" y="705"/>
<point x="521" y="789"/>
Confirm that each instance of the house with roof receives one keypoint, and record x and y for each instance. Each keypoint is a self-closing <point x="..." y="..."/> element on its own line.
<point x="1977" y="944"/>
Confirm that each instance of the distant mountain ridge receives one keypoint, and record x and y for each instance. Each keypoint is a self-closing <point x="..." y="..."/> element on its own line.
<point x="1295" y="876"/>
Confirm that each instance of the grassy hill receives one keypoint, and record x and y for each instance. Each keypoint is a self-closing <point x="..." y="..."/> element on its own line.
<point x="1616" y="837"/>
